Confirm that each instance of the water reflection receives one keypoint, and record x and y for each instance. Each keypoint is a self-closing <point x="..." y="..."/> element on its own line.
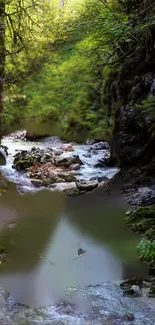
<point x="43" y="245"/>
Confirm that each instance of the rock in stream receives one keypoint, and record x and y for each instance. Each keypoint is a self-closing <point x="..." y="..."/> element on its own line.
<point x="94" y="305"/>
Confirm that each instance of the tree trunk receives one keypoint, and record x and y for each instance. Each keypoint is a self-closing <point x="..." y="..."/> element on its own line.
<point x="2" y="59"/>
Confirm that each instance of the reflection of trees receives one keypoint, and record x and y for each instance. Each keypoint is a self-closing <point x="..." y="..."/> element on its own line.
<point x="99" y="214"/>
<point x="38" y="215"/>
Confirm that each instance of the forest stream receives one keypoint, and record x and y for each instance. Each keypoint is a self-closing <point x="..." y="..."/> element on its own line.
<point x="66" y="255"/>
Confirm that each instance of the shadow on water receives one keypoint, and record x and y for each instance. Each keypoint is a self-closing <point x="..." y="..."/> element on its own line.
<point x="43" y="233"/>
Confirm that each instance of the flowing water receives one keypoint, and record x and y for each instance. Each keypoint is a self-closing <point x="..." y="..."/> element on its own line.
<point x="55" y="242"/>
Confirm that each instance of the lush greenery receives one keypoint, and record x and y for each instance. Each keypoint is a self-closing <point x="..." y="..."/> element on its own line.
<point x="146" y="251"/>
<point x="62" y="74"/>
<point x="142" y="221"/>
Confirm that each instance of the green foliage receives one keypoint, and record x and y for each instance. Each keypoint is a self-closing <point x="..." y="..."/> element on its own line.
<point x="146" y="251"/>
<point x="63" y="81"/>
<point x="147" y="105"/>
<point x="61" y="73"/>
<point x="142" y="220"/>
<point x="2" y="249"/>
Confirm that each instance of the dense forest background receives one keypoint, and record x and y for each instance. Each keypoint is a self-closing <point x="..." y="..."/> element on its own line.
<point x="57" y="59"/>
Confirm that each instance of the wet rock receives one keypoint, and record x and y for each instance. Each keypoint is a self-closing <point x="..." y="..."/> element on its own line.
<point x="69" y="188"/>
<point x="25" y="159"/>
<point x="87" y="155"/>
<point x="57" y="151"/>
<point x="151" y="293"/>
<point x="127" y="284"/>
<point x="132" y="287"/>
<point x="141" y="196"/>
<point x="104" y="185"/>
<point x="110" y="161"/>
<point x="37" y="182"/>
<point x="85" y="186"/>
<point x="99" y="146"/>
<point x="94" y="178"/>
<point x="100" y="163"/>
<point x="103" y="178"/>
<point x="93" y="305"/>
<point x="4" y="149"/>
<point x="81" y="251"/>
<point x="67" y="159"/>
<point x="67" y="147"/>
<point x="74" y="167"/>
<point x="134" y="291"/>
<point x="137" y="290"/>
<point x="66" y="176"/>
<point x="90" y="142"/>
<point x="30" y="136"/>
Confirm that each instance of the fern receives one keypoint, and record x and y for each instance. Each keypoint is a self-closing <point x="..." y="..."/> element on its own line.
<point x="146" y="251"/>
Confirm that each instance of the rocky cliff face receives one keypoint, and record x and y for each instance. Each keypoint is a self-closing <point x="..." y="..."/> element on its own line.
<point x="134" y="135"/>
<point x="130" y="95"/>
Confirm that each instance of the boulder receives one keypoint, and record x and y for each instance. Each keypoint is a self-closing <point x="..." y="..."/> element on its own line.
<point x="104" y="185"/>
<point x="99" y="146"/>
<point x="85" y="186"/>
<point x="50" y="174"/>
<point x="67" y="147"/>
<point x="103" y="178"/>
<point x="67" y="159"/>
<point x="90" y="142"/>
<point x="66" y="176"/>
<point x="25" y="159"/>
<point x="4" y="149"/>
<point x="68" y="188"/>
<point x="100" y="163"/>
<point x="30" y="136"/>
<point x="57" y="151"/>
<point x="37" y="182"/>
<point x="74" y="167"/>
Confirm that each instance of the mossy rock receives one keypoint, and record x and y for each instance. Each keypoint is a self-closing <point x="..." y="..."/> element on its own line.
<point x="127" y="284"/>
<point x="23" y="164"/>
<point x="142" y="221"/>
<point x="151" y="293"/>
<point x="2" y="250"/>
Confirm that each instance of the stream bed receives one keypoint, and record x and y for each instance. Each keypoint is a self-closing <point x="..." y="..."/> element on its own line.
<point x="66" y="255"/>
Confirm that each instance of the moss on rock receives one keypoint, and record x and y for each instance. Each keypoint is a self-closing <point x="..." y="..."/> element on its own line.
<point x="142" y="221"/>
